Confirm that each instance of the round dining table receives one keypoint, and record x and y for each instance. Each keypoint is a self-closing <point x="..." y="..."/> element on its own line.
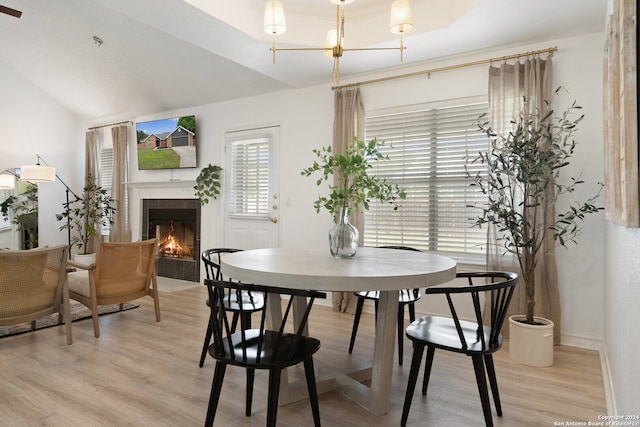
<point x="384" y="270"/>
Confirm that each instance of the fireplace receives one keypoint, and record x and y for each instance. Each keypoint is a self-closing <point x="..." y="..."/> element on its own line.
<point x="176" y="225"/>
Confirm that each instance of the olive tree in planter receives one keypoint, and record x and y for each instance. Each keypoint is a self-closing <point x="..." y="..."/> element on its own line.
<point x="354" y="187"/>
<point x="521" y="181"/>
<point x="86" y="213"/>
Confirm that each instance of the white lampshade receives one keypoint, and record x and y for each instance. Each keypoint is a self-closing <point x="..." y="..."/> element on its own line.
<point x="331" y="42"/>
<point x="37" y="173"/>
<point x="7" y="182"/>
<point x="274" y="21"/>
<point x="401" y="20"/>
<point x="342" y="1"/>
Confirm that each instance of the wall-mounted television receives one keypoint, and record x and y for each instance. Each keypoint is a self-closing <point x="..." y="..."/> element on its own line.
<point x="167" y="143"/>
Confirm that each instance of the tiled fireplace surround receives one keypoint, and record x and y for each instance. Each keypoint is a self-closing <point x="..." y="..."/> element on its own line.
<point x="168" y="195"/>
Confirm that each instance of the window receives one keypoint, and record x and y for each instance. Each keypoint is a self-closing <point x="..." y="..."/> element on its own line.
<point x="249" y="174"/>
<point x="427" y="148"/>
<point x="105" y="171"/>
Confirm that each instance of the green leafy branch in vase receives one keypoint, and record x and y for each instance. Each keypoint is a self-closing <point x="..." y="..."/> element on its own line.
<point x="354" y="187"/>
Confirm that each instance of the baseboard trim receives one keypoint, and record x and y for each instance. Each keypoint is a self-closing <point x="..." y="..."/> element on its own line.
<point x="609" y="394"/>
<point x="581" y="342"/>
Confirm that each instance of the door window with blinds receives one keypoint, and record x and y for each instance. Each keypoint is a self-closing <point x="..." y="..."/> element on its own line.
<point x="249" y="161"/>
<point x="427" y="147"/>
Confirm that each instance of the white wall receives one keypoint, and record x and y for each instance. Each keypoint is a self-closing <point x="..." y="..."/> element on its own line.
<point x="622" y="315"/>
<point x="34" y="123"/>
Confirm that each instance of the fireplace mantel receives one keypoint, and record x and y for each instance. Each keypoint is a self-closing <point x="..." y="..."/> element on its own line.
<point x="162" y="184"/>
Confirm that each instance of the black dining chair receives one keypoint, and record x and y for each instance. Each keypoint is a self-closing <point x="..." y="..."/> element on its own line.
<point x="252" y="301"/>
<point x="478" y="339"/>
<point x="406" y="297"/>
<point x="272" y="350"/>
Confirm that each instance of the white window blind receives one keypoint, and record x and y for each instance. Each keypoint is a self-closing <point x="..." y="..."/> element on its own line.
<point x="249" y="172"/>
<point x="106" y="173"/>
<point x="427" y="149"/>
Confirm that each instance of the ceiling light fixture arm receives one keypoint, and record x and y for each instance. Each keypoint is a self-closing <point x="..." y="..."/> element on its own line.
<point x="401" y="22"/>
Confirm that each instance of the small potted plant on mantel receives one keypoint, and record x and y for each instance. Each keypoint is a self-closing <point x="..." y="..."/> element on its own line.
<point x="354" y="188"/>
<point x="521" y="181"/>
<point x="84" y="215"/>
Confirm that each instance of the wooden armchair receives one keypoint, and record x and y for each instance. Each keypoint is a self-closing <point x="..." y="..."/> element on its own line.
<point x="33" y="285"/>
<point x="122" y="272"/>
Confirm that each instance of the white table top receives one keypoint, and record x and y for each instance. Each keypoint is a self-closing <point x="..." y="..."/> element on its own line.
<point x="370" y="269"/>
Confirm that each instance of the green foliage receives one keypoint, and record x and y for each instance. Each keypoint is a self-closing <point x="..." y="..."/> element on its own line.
<point x="208" y="183"/>
<point x="165" y="158"/>
<point x="523" y="181"/>
<point x="141" y="135"/>
<point x="188" y="122"/>
<point x="354" y="187"/>
<point x="86" y="214"/>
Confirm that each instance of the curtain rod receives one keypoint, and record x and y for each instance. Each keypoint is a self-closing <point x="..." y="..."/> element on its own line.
<point x="110" y="124"/>
<point x="449" y="67"/>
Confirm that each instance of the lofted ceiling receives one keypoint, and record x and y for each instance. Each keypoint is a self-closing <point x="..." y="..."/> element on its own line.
<point x="161" y="55"/>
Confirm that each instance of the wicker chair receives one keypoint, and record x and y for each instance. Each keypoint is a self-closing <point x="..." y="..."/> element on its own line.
<point x="33" y="285"/>
<point x="122" y="272"/>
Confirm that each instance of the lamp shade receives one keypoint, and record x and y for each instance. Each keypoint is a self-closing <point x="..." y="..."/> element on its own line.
<point x="331" y="42"/>
<point x="7" y="182"/>
<point x="37" y="173"/>
<point x="274" y="21"/>
<point x="401" y="20"/>
<point x="342" y="1"/>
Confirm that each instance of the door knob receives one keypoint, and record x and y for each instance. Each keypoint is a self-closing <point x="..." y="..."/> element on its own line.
<point x="274" y="220"/>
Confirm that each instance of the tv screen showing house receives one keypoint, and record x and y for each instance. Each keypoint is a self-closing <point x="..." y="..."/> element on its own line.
<point x="167" y="143"/>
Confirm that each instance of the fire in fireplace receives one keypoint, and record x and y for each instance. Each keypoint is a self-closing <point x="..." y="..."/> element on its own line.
<point x="176" y="225"/>
<point x="176" y="239"/>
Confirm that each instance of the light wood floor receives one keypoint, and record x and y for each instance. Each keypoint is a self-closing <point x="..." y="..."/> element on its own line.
<point x="143" y="373"/>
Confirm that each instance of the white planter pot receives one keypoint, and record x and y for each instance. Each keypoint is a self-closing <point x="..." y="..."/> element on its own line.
<point x="531" y="345"/>
<point x="87" y="259"/>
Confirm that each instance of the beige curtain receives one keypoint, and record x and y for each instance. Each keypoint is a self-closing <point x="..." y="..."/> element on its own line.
<point x="120" y="230"/>
<point x="91" y="150"/>
<point x="348" y="121"/>
<point x="507" y="86"/>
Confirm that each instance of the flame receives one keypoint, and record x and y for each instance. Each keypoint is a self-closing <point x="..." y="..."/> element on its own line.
<point x="170" y="246"/>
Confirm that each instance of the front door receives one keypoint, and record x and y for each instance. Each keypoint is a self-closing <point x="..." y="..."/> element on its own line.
<point x="251" y="176"/>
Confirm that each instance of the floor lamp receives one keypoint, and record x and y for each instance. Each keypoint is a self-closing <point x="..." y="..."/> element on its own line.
<point x="39" y="173"/>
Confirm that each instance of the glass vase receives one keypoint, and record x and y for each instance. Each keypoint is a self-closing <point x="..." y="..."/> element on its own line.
<point x="343" y="237"/>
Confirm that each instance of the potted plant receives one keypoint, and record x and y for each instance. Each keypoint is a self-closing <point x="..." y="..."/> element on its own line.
<point x="25" y="215"/>
<point x="520" y="178"/>
<point x="86" y="214"/>
<point x="208" y="183"/>
<point x="353" y="188"/>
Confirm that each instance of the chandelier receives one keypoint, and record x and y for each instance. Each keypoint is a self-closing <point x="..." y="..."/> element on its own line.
<point x="274" y="23"/>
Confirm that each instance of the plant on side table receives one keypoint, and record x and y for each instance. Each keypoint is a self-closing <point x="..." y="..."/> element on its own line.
<point x="520" y="178"/>
<point x="85" y="214"/>
<point x="353" y="188"/>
